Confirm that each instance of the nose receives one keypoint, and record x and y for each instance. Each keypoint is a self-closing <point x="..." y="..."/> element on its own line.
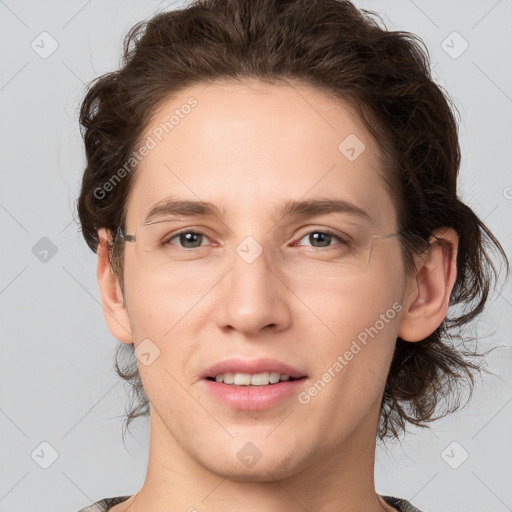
<point x="254" y="295"/>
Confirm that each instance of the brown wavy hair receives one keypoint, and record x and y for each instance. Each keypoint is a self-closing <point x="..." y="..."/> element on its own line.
<point x="349" y="54"/>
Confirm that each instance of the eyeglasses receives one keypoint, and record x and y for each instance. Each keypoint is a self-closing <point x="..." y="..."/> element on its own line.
<point x="156" y="251"/>
<point x="159" y="246"/>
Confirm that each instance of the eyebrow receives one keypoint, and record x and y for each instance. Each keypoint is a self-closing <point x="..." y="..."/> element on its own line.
<point x="291" y="208"/>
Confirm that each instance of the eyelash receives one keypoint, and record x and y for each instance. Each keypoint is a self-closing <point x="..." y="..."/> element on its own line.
<point x="328" y="232"/>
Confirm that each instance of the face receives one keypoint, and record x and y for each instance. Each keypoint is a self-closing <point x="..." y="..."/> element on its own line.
<point x="248" y="283"/>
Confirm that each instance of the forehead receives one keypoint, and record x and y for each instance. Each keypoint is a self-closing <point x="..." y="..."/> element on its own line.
<point x="250" y="147"/>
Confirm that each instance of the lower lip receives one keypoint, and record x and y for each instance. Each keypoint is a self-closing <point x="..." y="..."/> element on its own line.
<point x="253" y="398"/>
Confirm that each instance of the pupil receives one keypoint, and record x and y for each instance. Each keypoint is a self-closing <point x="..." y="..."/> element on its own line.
<point x="186" y="238"/>
<point x="316" y="236"/>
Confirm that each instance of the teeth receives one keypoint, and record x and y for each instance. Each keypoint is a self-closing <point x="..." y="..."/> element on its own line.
<point x="246" y="379"/>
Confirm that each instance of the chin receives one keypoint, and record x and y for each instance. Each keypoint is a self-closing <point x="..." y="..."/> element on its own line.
<point x="250" y="463"/>
<point x="261" y="472"/>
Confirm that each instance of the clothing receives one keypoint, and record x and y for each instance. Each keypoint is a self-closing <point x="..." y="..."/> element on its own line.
<point x="105" y="504"/>
<point x="400" y="504"/>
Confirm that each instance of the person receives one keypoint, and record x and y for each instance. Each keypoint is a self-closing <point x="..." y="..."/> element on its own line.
<point x="271" y="190"/>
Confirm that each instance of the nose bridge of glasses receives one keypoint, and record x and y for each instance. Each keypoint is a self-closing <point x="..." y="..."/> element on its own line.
<point x="250" y="252"/>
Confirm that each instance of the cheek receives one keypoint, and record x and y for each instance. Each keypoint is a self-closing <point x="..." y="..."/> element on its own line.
<point x="161" y="303"/>
<point x="164" y="317"/>
<point x="354" y="357"/>
<point x="342" y="307"/>
<point x="357" y="319"/>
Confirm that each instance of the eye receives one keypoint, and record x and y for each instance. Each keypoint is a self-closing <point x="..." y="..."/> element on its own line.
<point x="187" y="239"/>
<point x="322" y="237"/>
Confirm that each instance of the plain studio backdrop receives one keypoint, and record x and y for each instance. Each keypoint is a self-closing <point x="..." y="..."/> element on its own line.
<point x="61" y="404"/>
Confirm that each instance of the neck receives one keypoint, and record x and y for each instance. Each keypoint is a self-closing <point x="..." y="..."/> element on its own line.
<point x="341" y="480"/>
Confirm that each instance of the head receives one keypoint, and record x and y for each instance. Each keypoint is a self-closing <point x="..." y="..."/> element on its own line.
<point x="288" y="87"/>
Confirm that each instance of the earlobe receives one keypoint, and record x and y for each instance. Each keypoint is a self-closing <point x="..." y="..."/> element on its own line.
<point x="112" y="298"/>
<point x="427" y="300"/>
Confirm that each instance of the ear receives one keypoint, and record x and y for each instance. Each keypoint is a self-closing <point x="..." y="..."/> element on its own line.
<point x="427" y="299"/>
<point x="112" y="299"/>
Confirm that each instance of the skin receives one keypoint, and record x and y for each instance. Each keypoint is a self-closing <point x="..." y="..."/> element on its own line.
<point x="249" y="147"/>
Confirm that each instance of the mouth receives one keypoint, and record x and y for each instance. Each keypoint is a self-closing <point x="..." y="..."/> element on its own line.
<point x="256" y="372"/>
<point x="253" y="380"/>
<point x="253" y="384"/>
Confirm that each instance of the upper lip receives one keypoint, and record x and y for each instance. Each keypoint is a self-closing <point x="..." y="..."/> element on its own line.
<point x="252" y="366"/>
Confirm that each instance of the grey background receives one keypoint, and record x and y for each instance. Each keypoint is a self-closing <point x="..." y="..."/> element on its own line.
<point x="56" y="380"/>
